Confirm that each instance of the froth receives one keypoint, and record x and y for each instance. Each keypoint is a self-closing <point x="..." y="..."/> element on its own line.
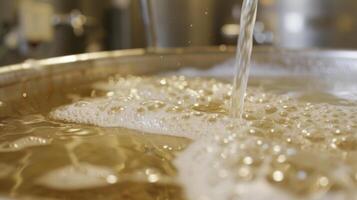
<point x="77" y="177"/>
<point x="283" y="147"/>
<point x="170" y="106"/>
<point x="286" y="150"/>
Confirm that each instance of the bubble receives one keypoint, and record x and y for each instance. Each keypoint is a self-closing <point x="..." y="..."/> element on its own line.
<point x="348" y="144"/>
<point x="323" y="181"/>
<point x="83" y="176"/>
<point x="112" y="179"/>
<point x="278" y="176"/>
<point x="276" y="149"/>
<point x="81" y="104"/>
<point x="163" y="82"/>
<point x="116" y="109"/>
<point x="110" y="94"/>
<point x="248" y="160"/>
<point x="281" y="158"/>
<point x="244" y="172"/>
<point x="270" y="109"/>
<point x="24" y="143"/>
<point x="153" y="175"/>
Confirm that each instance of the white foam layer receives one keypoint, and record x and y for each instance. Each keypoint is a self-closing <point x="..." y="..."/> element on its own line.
<point x="160" y="106"/>
<point x="106" y="112"/>
<point x="83" y="176"/>
<point x="23" y="143"/>
<point x="332" y="78"/>
<point x="284" y="149"/>
<point x="294" y="151"/>
<point x="207" y="175"/>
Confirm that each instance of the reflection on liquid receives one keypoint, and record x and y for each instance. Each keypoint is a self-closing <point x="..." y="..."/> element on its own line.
<point x="43" y="158"/>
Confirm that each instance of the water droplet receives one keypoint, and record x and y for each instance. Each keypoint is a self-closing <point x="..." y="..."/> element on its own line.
<point x="270" y="109"/>
<point x="244" y="172"/>
<point x="278" y="176"/>
<point x="248" y="160"/>
<point x="323" y="181"/>
<point x="152" y="175"/>
<point x="117" y="109"/>
<point x="112" y="179"/>
<point x="276" y="148"/>
<point x="80" y="104"/>
<point x="348" y="144"/>
<point x="110" y="94"/>
<point x="281" y="158"/>
<point x="163" y="82"/>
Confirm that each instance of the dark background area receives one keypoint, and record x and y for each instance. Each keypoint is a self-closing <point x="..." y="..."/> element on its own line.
<point x="80" y="26"/>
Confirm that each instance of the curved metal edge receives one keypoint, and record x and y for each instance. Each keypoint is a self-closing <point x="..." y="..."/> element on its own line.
<point x="33" y="63"/>
<point x="36" y="68"/>
<point x="18" y="72"/>
<point x="346" y="54"/>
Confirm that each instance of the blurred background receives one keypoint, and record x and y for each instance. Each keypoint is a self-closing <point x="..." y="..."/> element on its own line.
<point x="46" y="28"/>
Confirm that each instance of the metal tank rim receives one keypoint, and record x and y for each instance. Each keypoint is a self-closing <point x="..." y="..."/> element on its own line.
<point x="18" y="72"/>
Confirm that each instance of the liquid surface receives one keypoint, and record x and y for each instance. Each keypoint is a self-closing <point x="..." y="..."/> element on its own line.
<point x="291" y="143"/>
<point x="41" y="158"/>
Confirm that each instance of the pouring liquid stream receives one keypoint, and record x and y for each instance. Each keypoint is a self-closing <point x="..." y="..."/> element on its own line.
<point x="243" y="56"/>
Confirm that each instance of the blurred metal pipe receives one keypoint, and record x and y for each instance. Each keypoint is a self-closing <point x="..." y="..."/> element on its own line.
<point x="318" y="23"/>
<point x="179" y="22"/>
<point x="149" y="23"/>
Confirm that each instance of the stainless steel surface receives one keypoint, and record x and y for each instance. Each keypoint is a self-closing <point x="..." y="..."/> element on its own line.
<point x="306" y="23"/>
<point x="78" y="26"/>
<point x="179" y="23"/>
<point x="283" y="23"/>
<point x="49" y="74"/>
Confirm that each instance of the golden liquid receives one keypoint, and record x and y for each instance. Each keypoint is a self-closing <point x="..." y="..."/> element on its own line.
<point x="33" y="145"/>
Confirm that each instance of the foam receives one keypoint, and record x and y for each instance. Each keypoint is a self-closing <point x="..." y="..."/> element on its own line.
<point x="304" y="145"/>
<point x="147" y="105"/>
<point x="207" y="176"/>
<point x="23" y="143"/>
<point x="227" y="69"/>
<point x="309" y="147"/>
<point x="334" y="78"/>
<point x="71" y="177"/>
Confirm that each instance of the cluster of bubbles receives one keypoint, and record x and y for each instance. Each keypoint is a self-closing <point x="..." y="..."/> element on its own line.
<point x="283" y="146"/>
<point x="156" y="105"/>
